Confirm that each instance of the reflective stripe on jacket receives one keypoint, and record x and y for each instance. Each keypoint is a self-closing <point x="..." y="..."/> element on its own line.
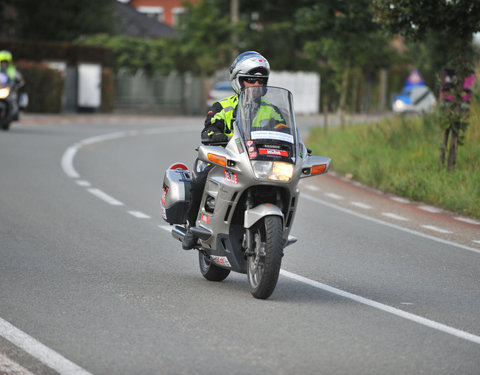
<point x="220" y="117"/>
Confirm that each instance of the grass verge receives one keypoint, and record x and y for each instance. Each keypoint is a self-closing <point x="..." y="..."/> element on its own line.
<point x="399" y="155"/>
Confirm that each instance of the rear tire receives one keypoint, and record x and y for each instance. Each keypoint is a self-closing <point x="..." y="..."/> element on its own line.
<point x="263" y="267"/>
<point x="209" y="270"/>
<point x="6" y="126"/>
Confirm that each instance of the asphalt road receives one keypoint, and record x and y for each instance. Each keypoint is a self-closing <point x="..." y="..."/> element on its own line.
<point x="91" y="282"/>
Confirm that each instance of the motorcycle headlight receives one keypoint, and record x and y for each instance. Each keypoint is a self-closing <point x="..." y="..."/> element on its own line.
<point x="4" y="92"/>
<point x="272" y="170"/>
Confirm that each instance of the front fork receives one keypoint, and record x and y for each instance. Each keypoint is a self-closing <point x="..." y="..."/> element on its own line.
<point x="249" y="251"/>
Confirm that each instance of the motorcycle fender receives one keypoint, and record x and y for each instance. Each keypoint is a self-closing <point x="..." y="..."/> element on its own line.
<point x="252" y="215"/>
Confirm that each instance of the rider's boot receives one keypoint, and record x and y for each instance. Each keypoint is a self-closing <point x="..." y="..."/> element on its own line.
<point x="189" y="241"/>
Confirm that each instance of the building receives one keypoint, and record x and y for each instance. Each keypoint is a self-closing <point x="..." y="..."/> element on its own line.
<point x="134" y="24"/>
<point x="167" y="11"/>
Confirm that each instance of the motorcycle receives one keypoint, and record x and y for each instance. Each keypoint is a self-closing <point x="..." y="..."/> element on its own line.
<point x="251" y="195"/>
<point x="9" y="103"/>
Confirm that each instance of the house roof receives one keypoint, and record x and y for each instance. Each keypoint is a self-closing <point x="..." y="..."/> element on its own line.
<point x="137" y="25"/>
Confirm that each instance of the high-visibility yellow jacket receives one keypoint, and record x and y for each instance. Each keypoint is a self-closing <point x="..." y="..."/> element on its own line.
<point x="220" y="115"/>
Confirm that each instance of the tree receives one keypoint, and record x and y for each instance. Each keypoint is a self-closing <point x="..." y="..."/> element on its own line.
<point x="205" y="39"/>
<point x="342" y="35"/>
<point x="134" y="54"/>
<point x="269" y="28"/>
<point x="452" y="23"/>
<point x="7" y="18"/>
<point x="63" y="20"/>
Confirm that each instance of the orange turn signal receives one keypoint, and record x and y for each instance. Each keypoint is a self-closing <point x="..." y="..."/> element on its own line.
<point x="320" y="168"/>
<point x="217" y="159"/>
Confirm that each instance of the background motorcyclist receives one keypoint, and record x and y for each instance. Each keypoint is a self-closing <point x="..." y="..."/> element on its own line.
<point x="7" y="67"/>
<point x="247" y="70"/>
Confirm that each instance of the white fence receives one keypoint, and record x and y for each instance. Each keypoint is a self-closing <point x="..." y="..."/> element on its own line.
<point x="183" y="93"/>
<point x="305" y="87"/>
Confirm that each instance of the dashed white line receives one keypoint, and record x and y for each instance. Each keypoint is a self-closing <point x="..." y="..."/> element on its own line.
<point x="168" y="228"/>
<point x="400" y="200"/>
<point x="83" y="183"/>
<point x="105" y="197"/>
<point x="476" y="241"/>
<point x="334" y="196"/>
<point x="391" y="225"/>
<point x="361" y="205"/>
<point x="312" y="188"/>
<point x="467" y="220"/>
<point x="67" y="161"/>
<point x="435" y="229"/>
<point x="394" y="216"/>
<point x="433" y="210"/>
<point x="380" y="306"/>
<point x="139" y="215"/>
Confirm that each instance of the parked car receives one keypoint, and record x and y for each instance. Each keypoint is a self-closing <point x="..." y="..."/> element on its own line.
<point x="221" y="90"/>
<point x="415" y="96"/>
<point x="414" y="99"/>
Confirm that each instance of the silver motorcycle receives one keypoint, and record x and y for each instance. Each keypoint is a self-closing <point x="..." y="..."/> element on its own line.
<point x="251" y="195"/>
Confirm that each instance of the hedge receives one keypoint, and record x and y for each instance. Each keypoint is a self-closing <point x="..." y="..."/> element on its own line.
<point x="44" y="87"/>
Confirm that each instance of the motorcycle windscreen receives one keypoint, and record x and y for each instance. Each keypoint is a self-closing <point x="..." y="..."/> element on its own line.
<point x="265" y="118"/>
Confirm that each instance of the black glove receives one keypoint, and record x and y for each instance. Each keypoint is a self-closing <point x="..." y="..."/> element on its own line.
<point x="213" y="137"/>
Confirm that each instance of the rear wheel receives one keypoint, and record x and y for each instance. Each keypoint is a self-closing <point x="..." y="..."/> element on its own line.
<point x="6" y="126"/>
<point x="209" y="270"/>
<point x="263" y="267"/>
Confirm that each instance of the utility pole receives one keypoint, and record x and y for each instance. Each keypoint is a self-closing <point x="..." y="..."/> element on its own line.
<point x="234" y="5"/>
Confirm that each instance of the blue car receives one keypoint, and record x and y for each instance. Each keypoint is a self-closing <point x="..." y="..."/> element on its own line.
<point x="415" y="96"/>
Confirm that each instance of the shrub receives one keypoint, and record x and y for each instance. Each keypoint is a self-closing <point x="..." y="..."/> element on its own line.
<point x="108" y="91"/>
<point x="44" y="87"/>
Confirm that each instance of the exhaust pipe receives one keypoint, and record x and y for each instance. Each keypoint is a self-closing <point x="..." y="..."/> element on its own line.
<point x="178" y="232"/>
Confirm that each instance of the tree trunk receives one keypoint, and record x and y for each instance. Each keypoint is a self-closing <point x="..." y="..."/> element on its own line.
<point x="443" y="149"/>
<point x="452" y="155"/>
<point x="343" y="95"/>
<point x="383" y="90"/>
<point x="356" y="79"/>
<point x="325" y="116"/>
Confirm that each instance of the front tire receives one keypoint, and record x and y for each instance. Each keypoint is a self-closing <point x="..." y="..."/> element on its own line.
<point x="209" y="270"/>
<point x="263" y="267"/>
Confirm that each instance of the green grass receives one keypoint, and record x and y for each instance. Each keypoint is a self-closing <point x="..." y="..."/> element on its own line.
<point x="400" y="155"/>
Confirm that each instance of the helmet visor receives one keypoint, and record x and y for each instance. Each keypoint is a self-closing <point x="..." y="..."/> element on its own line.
<point x="262" y="80"/>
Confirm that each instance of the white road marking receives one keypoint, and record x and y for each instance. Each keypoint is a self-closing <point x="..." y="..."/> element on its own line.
<point x="400" y="200"/>
<point x="105" y="197"/>
<point x="433" y="210"/>
<point x="139" y="215"/>
<point x="334" y="196"/>
<point x="168" y="228"/>
<point x="394" y="216"/>
<point x="435" y="229"/>
<point x="312" y="188"/>
<point x="468" y="220"/>
<point x="411" y="231"/>
<point x="39" y="351"/>
<point x="476" y="241"/>
<point x="361" y="205"/>
<point x="83" y="183"/>
<point x="8" y="367"/>
<point x="67" y="162"/>
<point x="380" y="306"/>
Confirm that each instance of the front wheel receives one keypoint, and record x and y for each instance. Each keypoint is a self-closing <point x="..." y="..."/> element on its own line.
<point x="209" y="270"/>
<point x="263" y="267"/>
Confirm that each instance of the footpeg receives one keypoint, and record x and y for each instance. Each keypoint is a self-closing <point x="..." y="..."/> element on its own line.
<point x="290" y="241"/>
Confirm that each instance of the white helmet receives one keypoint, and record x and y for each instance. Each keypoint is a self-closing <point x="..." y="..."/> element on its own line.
<point x="247" y="64"/>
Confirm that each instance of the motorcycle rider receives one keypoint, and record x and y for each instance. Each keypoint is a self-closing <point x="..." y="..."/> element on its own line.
<point x="249" y="69"/>
<point x="7" y="67"/>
